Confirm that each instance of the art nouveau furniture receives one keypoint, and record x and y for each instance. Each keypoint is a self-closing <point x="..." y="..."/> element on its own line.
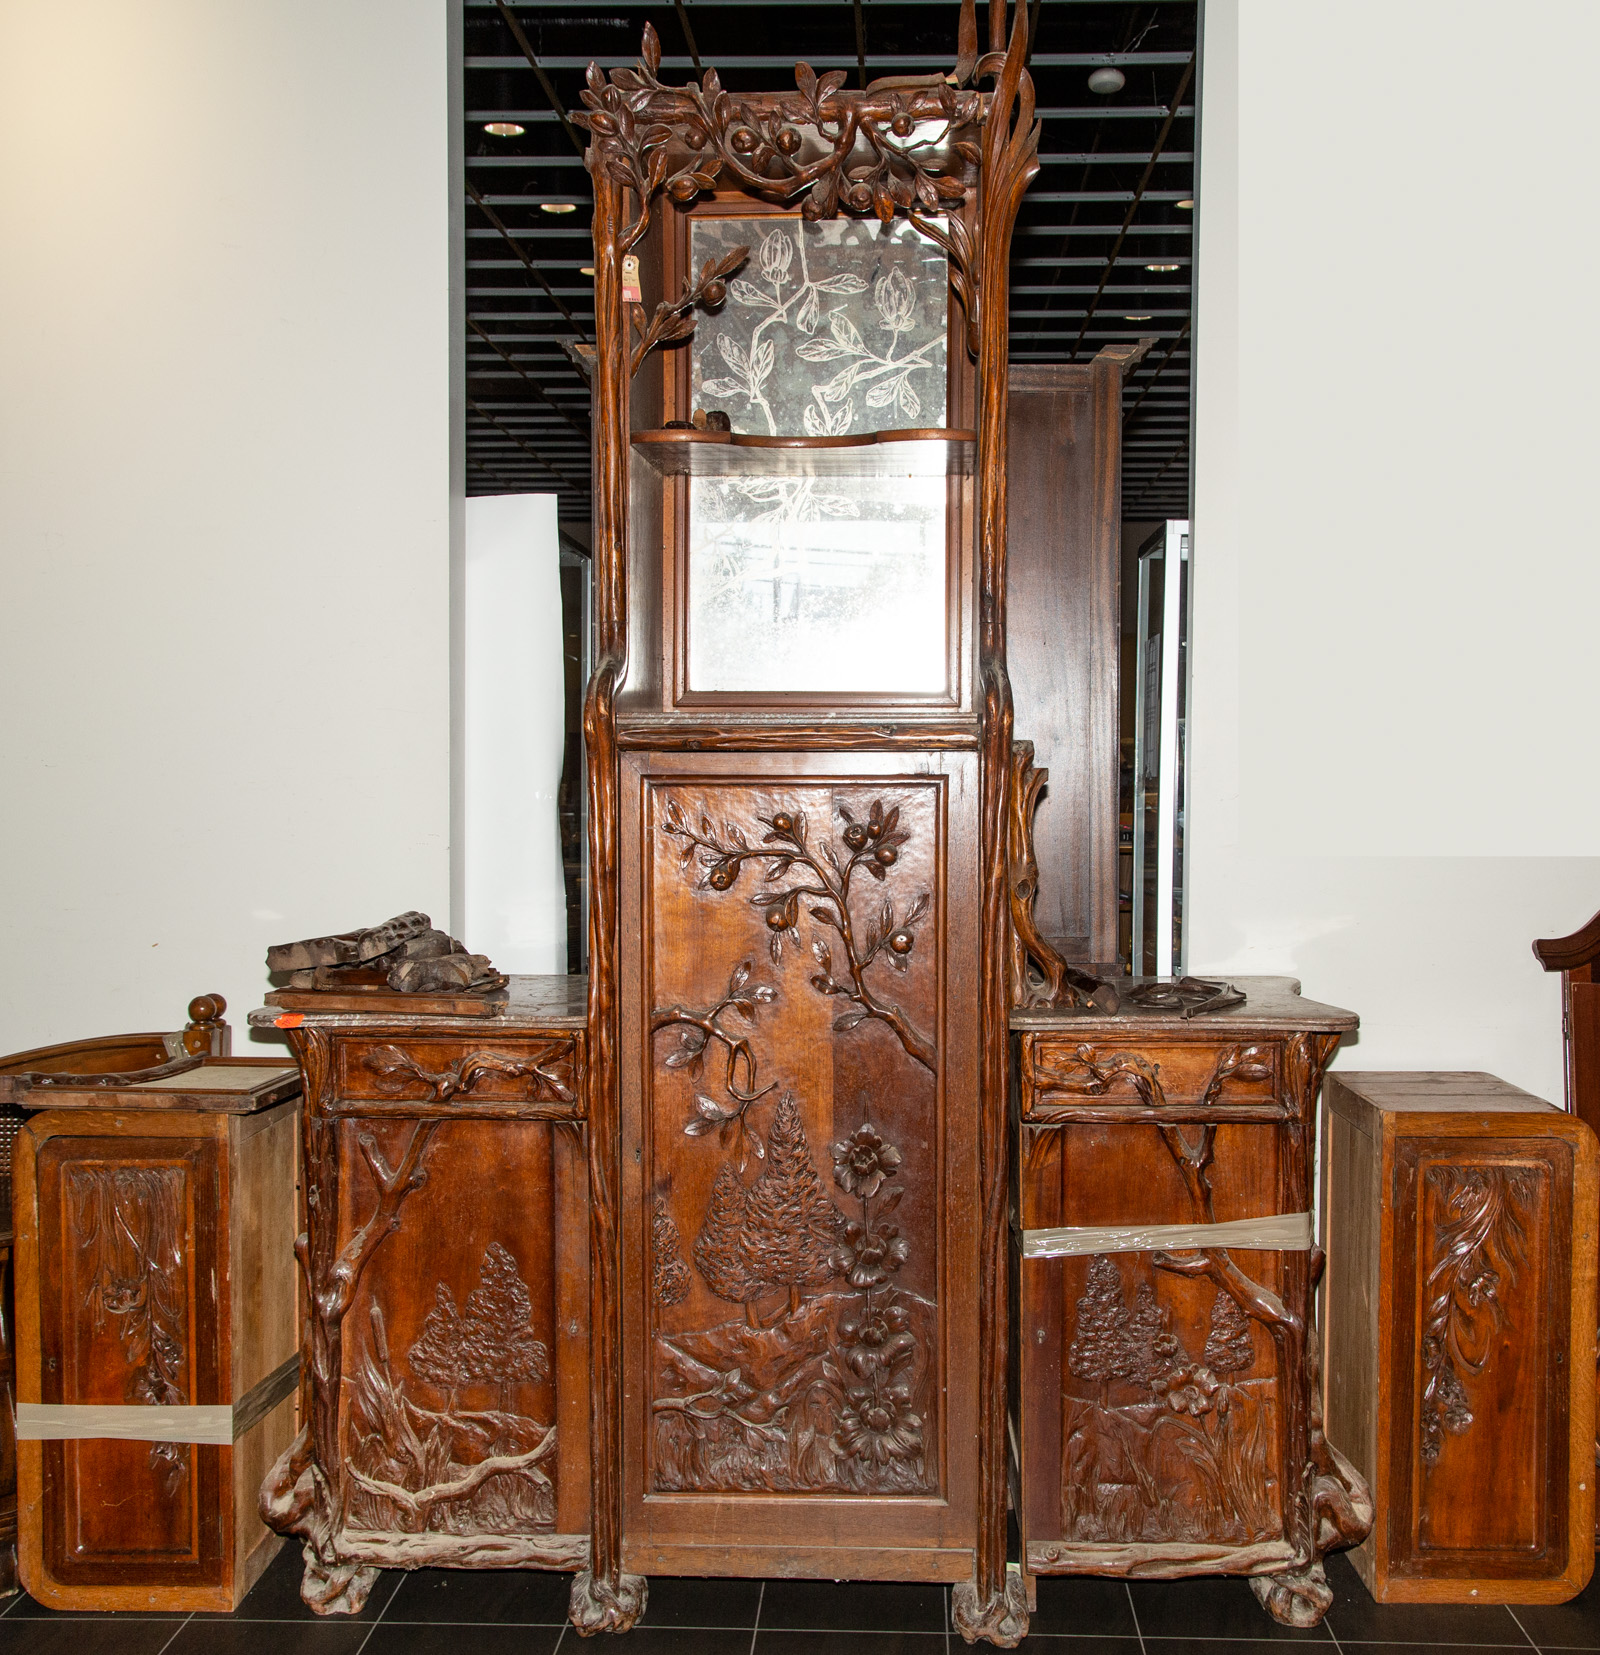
<point x="445" y="1412"/>
<point x="1167" y="1412"/>
<point x="157" y="1337"/>
<point x="1459" y="1217"/>
<point x="44" y="1067"/>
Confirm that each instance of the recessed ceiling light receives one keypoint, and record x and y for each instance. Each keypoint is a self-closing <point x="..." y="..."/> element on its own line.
<point x="587" y="270"/>
<point x="1186" y="205"/>
<point x="1107" y="80"/>
<point x="1163" y="267"/>
<point x="1144" y="318"/>
<point x="558" y="207"/>
<point x="503" y="129"/>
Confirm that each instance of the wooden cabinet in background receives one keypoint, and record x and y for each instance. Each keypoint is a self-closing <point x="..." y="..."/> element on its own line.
<point x="156" y="1333"/>
<point x="1460" y="1221"/>
<point x="1064" y="517"/>
<point x="446" y="1398"/>
<point x="1167" y="1409"/>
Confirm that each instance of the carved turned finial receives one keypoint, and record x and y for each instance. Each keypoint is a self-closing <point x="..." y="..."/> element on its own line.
<point x="206" y="1034"/>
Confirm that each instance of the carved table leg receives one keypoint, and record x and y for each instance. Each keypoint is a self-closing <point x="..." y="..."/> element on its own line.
<point x="597" y="1606"/>
<point x="341" y="1590"/>
<point x="1002" y="1620"/>
<point x="1297" y="1597"/>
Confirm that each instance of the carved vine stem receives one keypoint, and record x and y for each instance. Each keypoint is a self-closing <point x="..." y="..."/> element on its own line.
<point x="1479" y="1245"/>
<point x="872" y="846"/>
<point x="397" y="1068"/>
<point x="674" y="319"/>
<point x="420" y="1503"/>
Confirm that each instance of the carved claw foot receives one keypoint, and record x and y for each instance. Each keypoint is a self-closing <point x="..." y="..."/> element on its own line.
<point x="1001" y="1619"/>
<point x="338" y="1591"/>
<point x="1298" y="1597"/>
<point x="598" y="1606"/>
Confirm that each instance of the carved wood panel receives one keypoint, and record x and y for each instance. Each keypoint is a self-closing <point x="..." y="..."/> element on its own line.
<point x="1480" y="1234"/>
<point x="450" y="1417"/>
<point x="129" y="1317"/>
<point x="794" y="1272"/>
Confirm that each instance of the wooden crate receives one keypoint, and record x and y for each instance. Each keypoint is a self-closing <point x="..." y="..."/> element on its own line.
<point x="1459" y="1218"/>
<point x="155" y="1276"/>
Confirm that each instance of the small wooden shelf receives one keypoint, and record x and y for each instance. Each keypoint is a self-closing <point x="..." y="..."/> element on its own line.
<point x="935" y="452"/>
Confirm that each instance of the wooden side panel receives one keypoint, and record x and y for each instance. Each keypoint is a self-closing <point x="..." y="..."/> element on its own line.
<point x="263" y="1306"/>
<point x="1352" y="1303"/>
<point x="1061" y="639"/>
<point x="1478" y="1453"/>
<point x="128" y="1270"/>
<point x="453" y="1431"/>
<point x="798" y="1137"/>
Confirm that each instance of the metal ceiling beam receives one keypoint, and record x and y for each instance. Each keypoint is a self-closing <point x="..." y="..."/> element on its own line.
<point x="547" y="86"/>
<point x="538" y="275"/>
<point x="783" y="62"/>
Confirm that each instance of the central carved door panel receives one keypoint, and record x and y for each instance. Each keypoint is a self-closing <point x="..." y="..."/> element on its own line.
<point x="798" y="1128"/>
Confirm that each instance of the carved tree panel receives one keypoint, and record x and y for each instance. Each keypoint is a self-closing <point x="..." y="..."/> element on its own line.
<point x="794" y="1048"/>
<point x="451" y="1419"/>
<point x="129" y="1318"/>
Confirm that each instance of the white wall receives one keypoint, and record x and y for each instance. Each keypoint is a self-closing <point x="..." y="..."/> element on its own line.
<point x="1395" y="786"/>
<point x="224" y="493"/>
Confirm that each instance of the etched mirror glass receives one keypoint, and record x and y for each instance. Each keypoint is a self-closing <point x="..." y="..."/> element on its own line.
<point x="830" y="329"/>
<point x="830" y="583"/>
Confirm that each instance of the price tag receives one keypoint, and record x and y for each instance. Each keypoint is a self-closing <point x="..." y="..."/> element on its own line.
<point x="630" y="280"/>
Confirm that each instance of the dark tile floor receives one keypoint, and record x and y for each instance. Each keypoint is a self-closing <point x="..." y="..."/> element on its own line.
<point x="441" y="1612"/>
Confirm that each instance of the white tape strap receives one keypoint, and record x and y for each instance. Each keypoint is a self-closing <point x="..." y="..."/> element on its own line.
<point x="1283" y="1233"/>
<point x="208" y="1423"/>
<point x="69" y="1421"/>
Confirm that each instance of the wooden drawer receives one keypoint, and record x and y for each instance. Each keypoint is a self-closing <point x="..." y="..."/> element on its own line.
<point x="1065" y="1077"/>
<point x="459" y="1071"/>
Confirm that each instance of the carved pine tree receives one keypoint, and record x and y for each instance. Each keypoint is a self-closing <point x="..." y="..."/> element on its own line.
<point x="791" y="1227"/>
<point x="493" y="1338"/>
<point x="1100" y="1351"/>
<point x="670" y="1273"/>
<point x="437" y="1355"/>
<point x="717" y="1251"/>
<point x="1230" y="1343"/>
<point x="1155" y="1349"/>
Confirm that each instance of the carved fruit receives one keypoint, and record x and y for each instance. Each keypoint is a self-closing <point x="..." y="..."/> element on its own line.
<point x="744" y="140"/>
<point x="900" y="942"/>
<point x="788" y="140"/>
<point x="901" y="125"/>
<point x="721" y="877"/>
<point x="874" y="830"/>
<point x="777" y="917"/>
<point x="783" y="822"/>
<point x="886" y="856"/>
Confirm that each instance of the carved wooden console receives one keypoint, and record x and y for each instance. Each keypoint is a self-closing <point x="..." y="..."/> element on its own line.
<point x="1460" y="1216"/>
<point x="1167" y="1412"/>
<point x="445" y="1414"/>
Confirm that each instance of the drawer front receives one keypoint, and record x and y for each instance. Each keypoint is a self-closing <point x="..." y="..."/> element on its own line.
<point x="460" y="1071"/>
<point x="1100" y="1079"/>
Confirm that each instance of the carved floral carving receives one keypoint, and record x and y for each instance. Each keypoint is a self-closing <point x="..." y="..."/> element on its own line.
<point x="1479" y="1244"/>
<point x="128" y="1221"/>
<point x="831" y="1394"/>
<point x="820" y="877"/>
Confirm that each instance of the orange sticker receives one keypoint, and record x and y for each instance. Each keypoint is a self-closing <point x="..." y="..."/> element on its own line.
<point x="289" y="1020"/>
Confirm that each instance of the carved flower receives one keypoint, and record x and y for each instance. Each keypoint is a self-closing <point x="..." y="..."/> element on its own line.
<point x="1192" y="1391"/>
<point x="870" y="1254"/>
<point x="880" y="1342"/>
<point x="777" y="253"/>
<point x="879" y="1428"/>
<point x="862" y="1161"/>
<point x="1484" y="1285"/>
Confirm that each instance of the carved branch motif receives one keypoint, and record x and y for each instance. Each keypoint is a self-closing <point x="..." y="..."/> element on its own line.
<point x="823" y="884"/>
<point x="128" y="1222"/>
<point x="397" y="1068"/>
<point x="1479" y="1243"/>
<point x="1039" y="975"/>
<point x="697" y="1032"/>
<point x="674" y="319"/>
<point x="831" y="1394"/>
<point x="898" y="147"/>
